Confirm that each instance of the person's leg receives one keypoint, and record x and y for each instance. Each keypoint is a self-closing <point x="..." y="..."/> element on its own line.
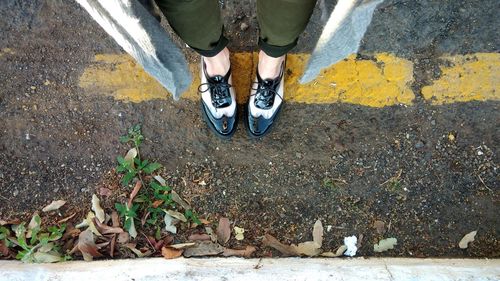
<point x="280" y="22"/>
<point x="198" y="23"/>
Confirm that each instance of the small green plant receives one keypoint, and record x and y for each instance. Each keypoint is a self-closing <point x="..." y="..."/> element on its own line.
<point x="131" y="165"/>
<point x="154" y="197"/>
<point x="128" y="214"/>
<point x="328" y="183"/>
<point x="190" y="215"/>
<point x="394" y="185"/>
<point x="37" y="246"/>
<point x="4" y="237"/>
<point x="134" y="135"/>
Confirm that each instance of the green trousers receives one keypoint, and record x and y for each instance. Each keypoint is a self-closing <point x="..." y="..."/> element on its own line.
<point x="199" y="24"/>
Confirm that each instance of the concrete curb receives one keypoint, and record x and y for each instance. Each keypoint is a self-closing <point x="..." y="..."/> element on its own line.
<point x="255" y="269"/>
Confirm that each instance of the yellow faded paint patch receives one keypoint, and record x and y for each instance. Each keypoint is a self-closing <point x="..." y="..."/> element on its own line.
<point x="382" y="82"/>
<point x="466" y="78"/>
<point x="379" y="83"/>
<point x="120" y="76"/>
<point x="6" y="51"/>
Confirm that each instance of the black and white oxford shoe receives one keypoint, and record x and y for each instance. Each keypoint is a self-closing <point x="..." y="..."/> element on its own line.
<point x="218" y="103"/>
<point x="264" y="104"/>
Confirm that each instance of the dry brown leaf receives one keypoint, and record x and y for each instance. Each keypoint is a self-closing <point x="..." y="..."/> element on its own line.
<point x="199" y="237"/>
<point x="96" y="207"/>
<point x="272" y="242"/>
<point x="87" y="246"/>
<point x="157" y="203"/>
<point x="138" y="253"/>
<point x="204" y="221"/>
<point x="168" y="240"/>
<point x="171" y="253"/>
<point x="4" y="250"/>
<point x="211" y="233"/>
<point x="129" y="157"/>
<point x="469" y="237"/>
<point x="182" y="245"/>
<point x="177" y="215"/>
<point x="223" y="230"/>
<point x="177" y="199"/>
<point x="106" y="229"/>
<point x="66" y="218"/>
<point x="103" y="245"/>
<point x="112" y="247"/>
<point x="340" y="251"/>
<point x="123" y="238"/>
<point x="379" y="226"/>
<point x="204" y="248"/>
<point x="115" y="219"/>
<point x="160" y="180"/>
<point x="90" y="223"/>
<point x="308" y="248"/>
<point x="318" y="233"/>
<point x="54" y="205"/>
<point x="134" y="193"/>
<point x="12" y="221"/>
<point x="247" y="252"/>
<point x="71" y="232"/>
<point x="34" y="223"/>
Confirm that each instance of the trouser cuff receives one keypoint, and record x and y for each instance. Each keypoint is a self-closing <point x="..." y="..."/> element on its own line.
<point x="218" y="47"/>
<point x="275" y="51"/>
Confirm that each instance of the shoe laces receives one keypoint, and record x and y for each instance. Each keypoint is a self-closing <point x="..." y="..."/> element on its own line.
<point x="219" y="91"/>
<point x="265" y="93"/>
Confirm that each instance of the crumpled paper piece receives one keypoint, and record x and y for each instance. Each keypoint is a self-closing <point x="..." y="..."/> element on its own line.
<point x="350" y="242"/>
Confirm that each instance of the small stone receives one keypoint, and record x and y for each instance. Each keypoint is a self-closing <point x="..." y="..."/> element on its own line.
<point x="433" y="122"/>
<point x="419" y="144"/>
<point x="243" y="26"/>
<point x="219" y="182"/>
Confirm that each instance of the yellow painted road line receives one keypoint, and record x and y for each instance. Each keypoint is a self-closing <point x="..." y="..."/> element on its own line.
<point x="466" y="78"/>
<point x="384" y="81"/>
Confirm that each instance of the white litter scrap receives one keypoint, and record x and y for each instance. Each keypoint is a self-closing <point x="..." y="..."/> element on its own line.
<point x="169" y="223"/>
<point x="350" y="242"/>
<point x="385" y="244"/>
<point x="468" y="238"/>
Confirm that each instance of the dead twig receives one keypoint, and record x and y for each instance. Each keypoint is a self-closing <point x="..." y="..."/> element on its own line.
<point x="395" y="178"/>
<point x="482" y="181"/>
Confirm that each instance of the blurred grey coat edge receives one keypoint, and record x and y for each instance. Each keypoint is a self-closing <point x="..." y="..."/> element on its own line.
<point x="341" y="35"/>
<point x="141" y="35"/>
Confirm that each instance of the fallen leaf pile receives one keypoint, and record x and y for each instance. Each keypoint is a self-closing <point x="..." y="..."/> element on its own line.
<point x="308" y="248"/>
<point x="210" y="243"/>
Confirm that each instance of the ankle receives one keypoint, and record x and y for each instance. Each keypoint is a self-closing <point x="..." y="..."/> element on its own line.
<point x="269" y="67"/>
<point x="218" y="64"/>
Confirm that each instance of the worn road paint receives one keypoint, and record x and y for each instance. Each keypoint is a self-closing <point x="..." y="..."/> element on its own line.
<point x="384" y="80"/>
<point x="466" y="78"/>
<point x="7" y="51"/>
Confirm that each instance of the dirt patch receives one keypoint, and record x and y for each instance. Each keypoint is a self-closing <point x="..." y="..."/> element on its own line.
<point x="329" y="162"/>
